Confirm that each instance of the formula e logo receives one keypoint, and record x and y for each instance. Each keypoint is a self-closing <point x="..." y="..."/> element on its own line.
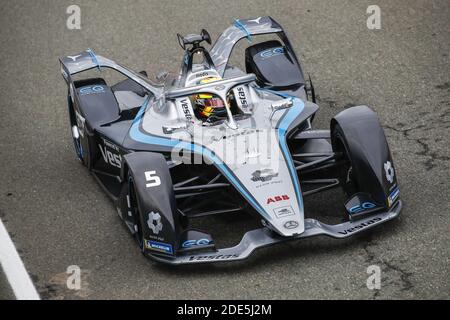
<point x="191" y="243"/>
<point x="277" y="198"/>
<point x="363" y="207"/>
<point x="113" y="159"/>
<point x="90" y="90"/>
<point x="389" y="171"/>
<point x="154" y="222"/>
<point x="272" y="52"/>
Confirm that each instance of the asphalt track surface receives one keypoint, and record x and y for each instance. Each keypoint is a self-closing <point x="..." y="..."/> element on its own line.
<point x="58" y="215"/>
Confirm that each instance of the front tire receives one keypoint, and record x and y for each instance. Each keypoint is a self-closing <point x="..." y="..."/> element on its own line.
<point x="133" y="207"/>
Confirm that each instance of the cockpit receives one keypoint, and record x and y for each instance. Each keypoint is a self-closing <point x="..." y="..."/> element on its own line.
<point x="210" y="108"/>
<point x="205" y="94"/>
<point x="201" y="93"/>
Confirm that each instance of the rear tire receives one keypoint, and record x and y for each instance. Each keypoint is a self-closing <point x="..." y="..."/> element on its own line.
<point x="83" y="146"/>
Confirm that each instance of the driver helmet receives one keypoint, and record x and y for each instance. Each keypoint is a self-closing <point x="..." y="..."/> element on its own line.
<point x="210" y="107"/>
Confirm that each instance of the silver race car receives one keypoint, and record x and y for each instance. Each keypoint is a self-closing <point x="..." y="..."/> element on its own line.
<point x="215" y="139"/>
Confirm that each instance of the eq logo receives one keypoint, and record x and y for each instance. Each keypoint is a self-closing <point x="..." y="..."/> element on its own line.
<point x="191" y="243"/>
<point x="277" y="199"/>
<point x="272" y="52"/>
<point x="362" y="207"/>
<point x="91" y="90"/>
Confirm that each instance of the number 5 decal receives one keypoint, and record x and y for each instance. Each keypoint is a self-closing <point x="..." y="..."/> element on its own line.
<point x="152" y="179"/>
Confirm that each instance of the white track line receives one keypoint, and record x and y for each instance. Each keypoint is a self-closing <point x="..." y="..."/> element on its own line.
<point x="14" y="269"/>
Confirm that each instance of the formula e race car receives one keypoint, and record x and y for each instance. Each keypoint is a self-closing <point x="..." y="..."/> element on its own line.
<point x="214" y="139"/>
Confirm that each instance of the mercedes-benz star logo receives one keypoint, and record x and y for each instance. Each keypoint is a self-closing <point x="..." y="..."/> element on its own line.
<point x="291" y="224"/>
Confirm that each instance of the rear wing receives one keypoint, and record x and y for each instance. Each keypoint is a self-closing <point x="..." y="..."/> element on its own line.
<point x="87" y="60"/>
<point x="247" y="28"/>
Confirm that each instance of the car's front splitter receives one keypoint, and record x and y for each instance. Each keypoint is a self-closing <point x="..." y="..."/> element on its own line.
<point x="263" y="237"/>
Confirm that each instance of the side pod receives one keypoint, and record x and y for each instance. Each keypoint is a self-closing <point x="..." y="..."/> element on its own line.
<point x="372" y="165"/>
<point x="158" y="214"/>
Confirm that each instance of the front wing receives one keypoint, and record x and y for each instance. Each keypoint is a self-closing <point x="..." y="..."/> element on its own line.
<point x="263" y="237"/>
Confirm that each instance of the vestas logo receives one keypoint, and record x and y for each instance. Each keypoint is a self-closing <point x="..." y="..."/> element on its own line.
<point x="214" y="257"/>
<point x="361" y="226"/>
<point x="113" y="159"/>
<point x="186" y="110"/>
<point x="242" y="97"/>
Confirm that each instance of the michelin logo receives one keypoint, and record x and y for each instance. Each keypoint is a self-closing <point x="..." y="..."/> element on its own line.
<point x="159" y="246"/>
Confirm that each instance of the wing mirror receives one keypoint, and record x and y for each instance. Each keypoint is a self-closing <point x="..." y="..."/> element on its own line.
<point x="280" y="105"/>
<point x="193" y="39"/>
<point x="187" y="127"/>
<point x="161" y="77"/>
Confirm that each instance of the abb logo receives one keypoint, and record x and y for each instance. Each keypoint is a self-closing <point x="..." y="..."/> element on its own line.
<point x="277" y="198"/>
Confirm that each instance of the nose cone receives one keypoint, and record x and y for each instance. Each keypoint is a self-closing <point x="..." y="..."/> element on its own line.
<point x="264" y="178"/>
